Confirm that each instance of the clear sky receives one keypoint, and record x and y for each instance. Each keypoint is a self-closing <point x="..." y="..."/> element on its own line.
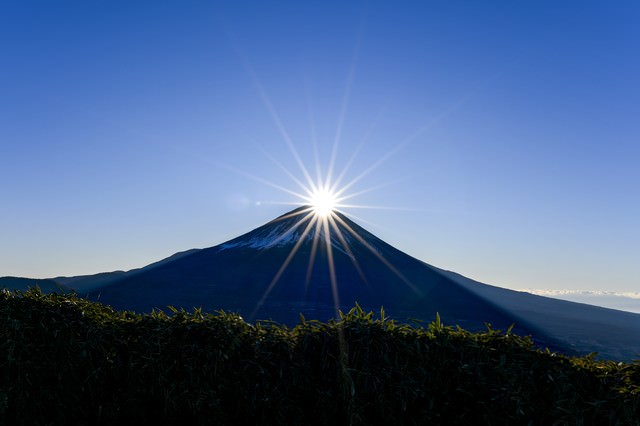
<point x="513" y="130"/>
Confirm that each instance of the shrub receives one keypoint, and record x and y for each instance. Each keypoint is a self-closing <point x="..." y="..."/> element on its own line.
<point x="65" y="360"/>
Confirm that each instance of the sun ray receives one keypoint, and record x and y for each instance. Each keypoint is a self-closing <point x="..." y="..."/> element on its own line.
<point x="292" y="214"/>
<point x="339" y="200"/>
<point x="345" y="169"/>
<point x="266" y="101"/>
<point x="332" y="267"/>
<point x="261" y="180"/>
<point x="305" y="188"/>
<point x="355" y="153"/>
<point x="281" y="203"/>
<point x="314" y="137"/>
<point x="343" y="109"/>
<point x="355" y="217"/>
<point x="294" y="226"/>
<point x="286" y="137"/>
<point x="312" y="256"/>
<point x="371" y="168"/>
<point x="325" y="194"/>
<point x="374" y="207"/>
<point x="284" y="266"/>
<point x="346" y="247"/>
<point x="408" y="140"/>
<point x="379" y="256"/>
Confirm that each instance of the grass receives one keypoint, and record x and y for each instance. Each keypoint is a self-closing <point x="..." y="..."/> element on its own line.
<point x="65" y="360"/>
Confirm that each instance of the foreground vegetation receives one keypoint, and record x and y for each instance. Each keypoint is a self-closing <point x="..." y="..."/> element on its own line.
<point x="65" y="360"/>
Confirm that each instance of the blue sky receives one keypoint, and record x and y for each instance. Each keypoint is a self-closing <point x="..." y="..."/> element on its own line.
<point x="512" y="126"/>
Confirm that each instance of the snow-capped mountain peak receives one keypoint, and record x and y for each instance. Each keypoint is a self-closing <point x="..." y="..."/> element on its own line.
<point x="288" y="229"/>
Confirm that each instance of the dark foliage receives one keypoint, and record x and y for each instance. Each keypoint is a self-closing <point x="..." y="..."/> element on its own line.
<point x="64" y="360"/>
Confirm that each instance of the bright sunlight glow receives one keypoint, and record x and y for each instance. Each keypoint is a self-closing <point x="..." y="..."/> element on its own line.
<point x="323" y="202"/>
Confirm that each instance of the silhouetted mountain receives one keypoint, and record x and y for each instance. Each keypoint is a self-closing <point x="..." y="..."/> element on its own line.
<point x="282" y="269"/>
<point x="581" y="327"/>
<point x="47" y="285"/>
<point x="236" y="276"/>
<point x="86" y="283"/>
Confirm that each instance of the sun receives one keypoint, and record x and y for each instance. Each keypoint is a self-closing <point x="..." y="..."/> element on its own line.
<point x="323" y="202"/>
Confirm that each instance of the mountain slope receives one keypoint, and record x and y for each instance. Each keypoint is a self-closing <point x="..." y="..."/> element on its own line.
<point x="47" y="285"/>
<point x="285" y="268"/>
<point x="86" y="283"/>
<point x="585" y="328"/>
<point x="238" y="275"/>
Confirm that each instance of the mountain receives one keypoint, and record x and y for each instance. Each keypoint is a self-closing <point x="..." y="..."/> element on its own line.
<point x="236" y="276"/>
<point x="47" y="285"/>
<point x="581" y="327"/>
<point x="87" y="283"/>
<point x="82" y="284"/>
<point x="285" y="268"/>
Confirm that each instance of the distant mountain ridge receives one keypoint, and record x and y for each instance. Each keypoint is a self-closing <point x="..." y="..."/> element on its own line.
<point x="47" y="285"/>
<point x="257" y="275"/>
<point x="81" y="283"/>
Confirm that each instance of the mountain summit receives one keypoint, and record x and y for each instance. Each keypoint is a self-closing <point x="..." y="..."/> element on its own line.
<point x="301" y="223"/>
<point x="311" y="264"/>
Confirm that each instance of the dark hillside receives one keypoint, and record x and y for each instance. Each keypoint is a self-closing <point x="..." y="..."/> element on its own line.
<point x="65" y="360"/>
<point x="46" y="285"/>
<point x="291" y="265"/>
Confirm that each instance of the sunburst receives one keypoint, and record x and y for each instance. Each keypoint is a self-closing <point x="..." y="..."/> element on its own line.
<point x="324" y="198"/>
<point x="322" y="203"/>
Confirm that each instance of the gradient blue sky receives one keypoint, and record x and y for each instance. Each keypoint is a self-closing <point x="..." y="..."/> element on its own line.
<point x="517" y="123"/>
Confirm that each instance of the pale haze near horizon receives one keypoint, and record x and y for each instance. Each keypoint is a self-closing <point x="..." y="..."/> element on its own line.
<point x="513" y="131"/>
